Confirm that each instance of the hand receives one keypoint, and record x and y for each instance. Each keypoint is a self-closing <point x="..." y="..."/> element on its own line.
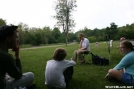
<point x="16" y="50"/>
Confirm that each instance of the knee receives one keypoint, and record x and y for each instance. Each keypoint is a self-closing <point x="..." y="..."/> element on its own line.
<point x="110" y="71"/>
<point x="78" y="52"/>
<point x="29" y="75"/>
<point x="75" y="51"/>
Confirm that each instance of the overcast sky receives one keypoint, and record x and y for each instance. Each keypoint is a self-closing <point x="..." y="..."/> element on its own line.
<point x="90" y="13"/>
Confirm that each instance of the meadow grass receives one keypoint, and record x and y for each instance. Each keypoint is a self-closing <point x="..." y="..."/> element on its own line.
<point x="87" y="76"/>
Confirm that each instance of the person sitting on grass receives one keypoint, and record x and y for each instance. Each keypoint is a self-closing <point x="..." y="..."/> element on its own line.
<point x="127" y="62"/>
<point x="84" y="47"/>
<point x="59" y="71"/>
<point x="11" y="76"/>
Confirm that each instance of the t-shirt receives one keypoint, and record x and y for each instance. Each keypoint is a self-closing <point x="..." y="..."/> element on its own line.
<point x="127" y="62"/>
<point x="54" y="72"/>
<point x="85" y="44"/>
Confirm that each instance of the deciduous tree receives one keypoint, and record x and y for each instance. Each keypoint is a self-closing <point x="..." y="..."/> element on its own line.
<point x="64" y="9"/>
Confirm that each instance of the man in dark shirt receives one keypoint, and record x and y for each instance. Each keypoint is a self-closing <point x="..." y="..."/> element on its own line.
<point x="11" y="76"/>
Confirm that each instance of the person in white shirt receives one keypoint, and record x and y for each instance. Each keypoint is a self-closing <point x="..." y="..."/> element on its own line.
<point x="84" y="47"/>
<point x="111" y="43"/>
<point x="59" y="71"/>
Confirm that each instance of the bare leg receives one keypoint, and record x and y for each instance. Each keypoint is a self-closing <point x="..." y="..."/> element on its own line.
<point x="116" y="73"/>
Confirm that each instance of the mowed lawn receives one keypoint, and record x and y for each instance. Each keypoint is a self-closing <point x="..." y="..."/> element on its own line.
<point x="87" y="76"/>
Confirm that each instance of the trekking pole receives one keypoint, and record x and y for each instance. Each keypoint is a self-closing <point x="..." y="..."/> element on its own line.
<point x="108" y="45"/>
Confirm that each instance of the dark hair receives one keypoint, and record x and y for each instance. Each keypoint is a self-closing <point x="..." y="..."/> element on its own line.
<point x="128" y="44"/>
<point x="59" y="54"/>
<point x="7" y="31"/>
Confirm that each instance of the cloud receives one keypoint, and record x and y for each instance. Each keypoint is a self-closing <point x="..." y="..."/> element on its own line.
<point x="90" y="13"/>
<point x="100" y="13"/>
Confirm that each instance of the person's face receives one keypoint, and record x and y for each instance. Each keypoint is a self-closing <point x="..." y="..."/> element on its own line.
<point x="123" y="49"/>
<point x="13" y="41"/>
<point x="80" y="37"/>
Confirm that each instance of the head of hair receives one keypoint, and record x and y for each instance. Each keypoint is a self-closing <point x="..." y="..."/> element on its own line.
<point x="59" y="54"/>
<point x="81" y="34"/>
<point x="122" y="38"/>
<point x="128" y="44"/>
<point x="7" y="31"/>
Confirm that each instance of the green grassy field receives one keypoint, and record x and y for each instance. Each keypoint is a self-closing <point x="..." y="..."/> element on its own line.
<point x="87" y="76"/>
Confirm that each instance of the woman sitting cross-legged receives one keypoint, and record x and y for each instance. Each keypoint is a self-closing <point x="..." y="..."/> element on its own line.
<point x="124" y="71"/>
<point x="59" y="71"/>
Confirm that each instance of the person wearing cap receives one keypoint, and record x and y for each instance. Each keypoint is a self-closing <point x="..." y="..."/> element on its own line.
<point x="11" y="76"/>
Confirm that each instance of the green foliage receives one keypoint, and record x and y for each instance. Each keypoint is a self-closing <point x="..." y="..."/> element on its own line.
<point x="2" y="22"/>
<point x="45" y="35"/>
<point x="37" y="36"/>
<point x="92" y="39"/>
<point x="86" y="76"/>
<point x="64" y="9"/>
<point x="56" y="34"/>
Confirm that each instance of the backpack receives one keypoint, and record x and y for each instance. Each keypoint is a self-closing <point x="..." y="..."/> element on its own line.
<point x="98" y="60"/>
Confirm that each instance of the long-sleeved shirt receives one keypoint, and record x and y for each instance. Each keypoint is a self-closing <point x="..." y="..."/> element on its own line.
<point x="9" y="65"/>
<point x="127" y="62"/>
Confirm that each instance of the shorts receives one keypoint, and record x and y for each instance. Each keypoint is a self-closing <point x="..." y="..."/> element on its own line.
<point x="127" y="79"/>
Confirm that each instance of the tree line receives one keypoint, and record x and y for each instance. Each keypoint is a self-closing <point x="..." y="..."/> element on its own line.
<point x="46" y="35"/>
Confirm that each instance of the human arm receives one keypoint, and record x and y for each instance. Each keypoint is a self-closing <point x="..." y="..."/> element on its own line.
<point x="126" y="61"/>
<point x="14" y="68"/>
<point x="69" y="63"/>
<point x="80" y="45"/>
<point x="17" y="58"/>
<point x="125" y="65"/>
<point x="85" y="44"/>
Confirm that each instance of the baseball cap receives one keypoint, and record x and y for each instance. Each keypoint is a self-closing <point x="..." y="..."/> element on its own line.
<point x="5" y="30"/>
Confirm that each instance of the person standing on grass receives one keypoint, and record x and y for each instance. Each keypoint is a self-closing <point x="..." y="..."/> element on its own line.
<point x="96" y="44"/>
<point x="11" y="76"/>
<point x="121" y="39"/>
<point x="111" y="43"/>
<point x="59" y="71"/>
<point x="127" y="62"/>
<point x="84" y="46"/>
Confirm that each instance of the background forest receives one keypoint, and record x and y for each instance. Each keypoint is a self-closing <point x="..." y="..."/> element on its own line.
<point x="46" y="35"/>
